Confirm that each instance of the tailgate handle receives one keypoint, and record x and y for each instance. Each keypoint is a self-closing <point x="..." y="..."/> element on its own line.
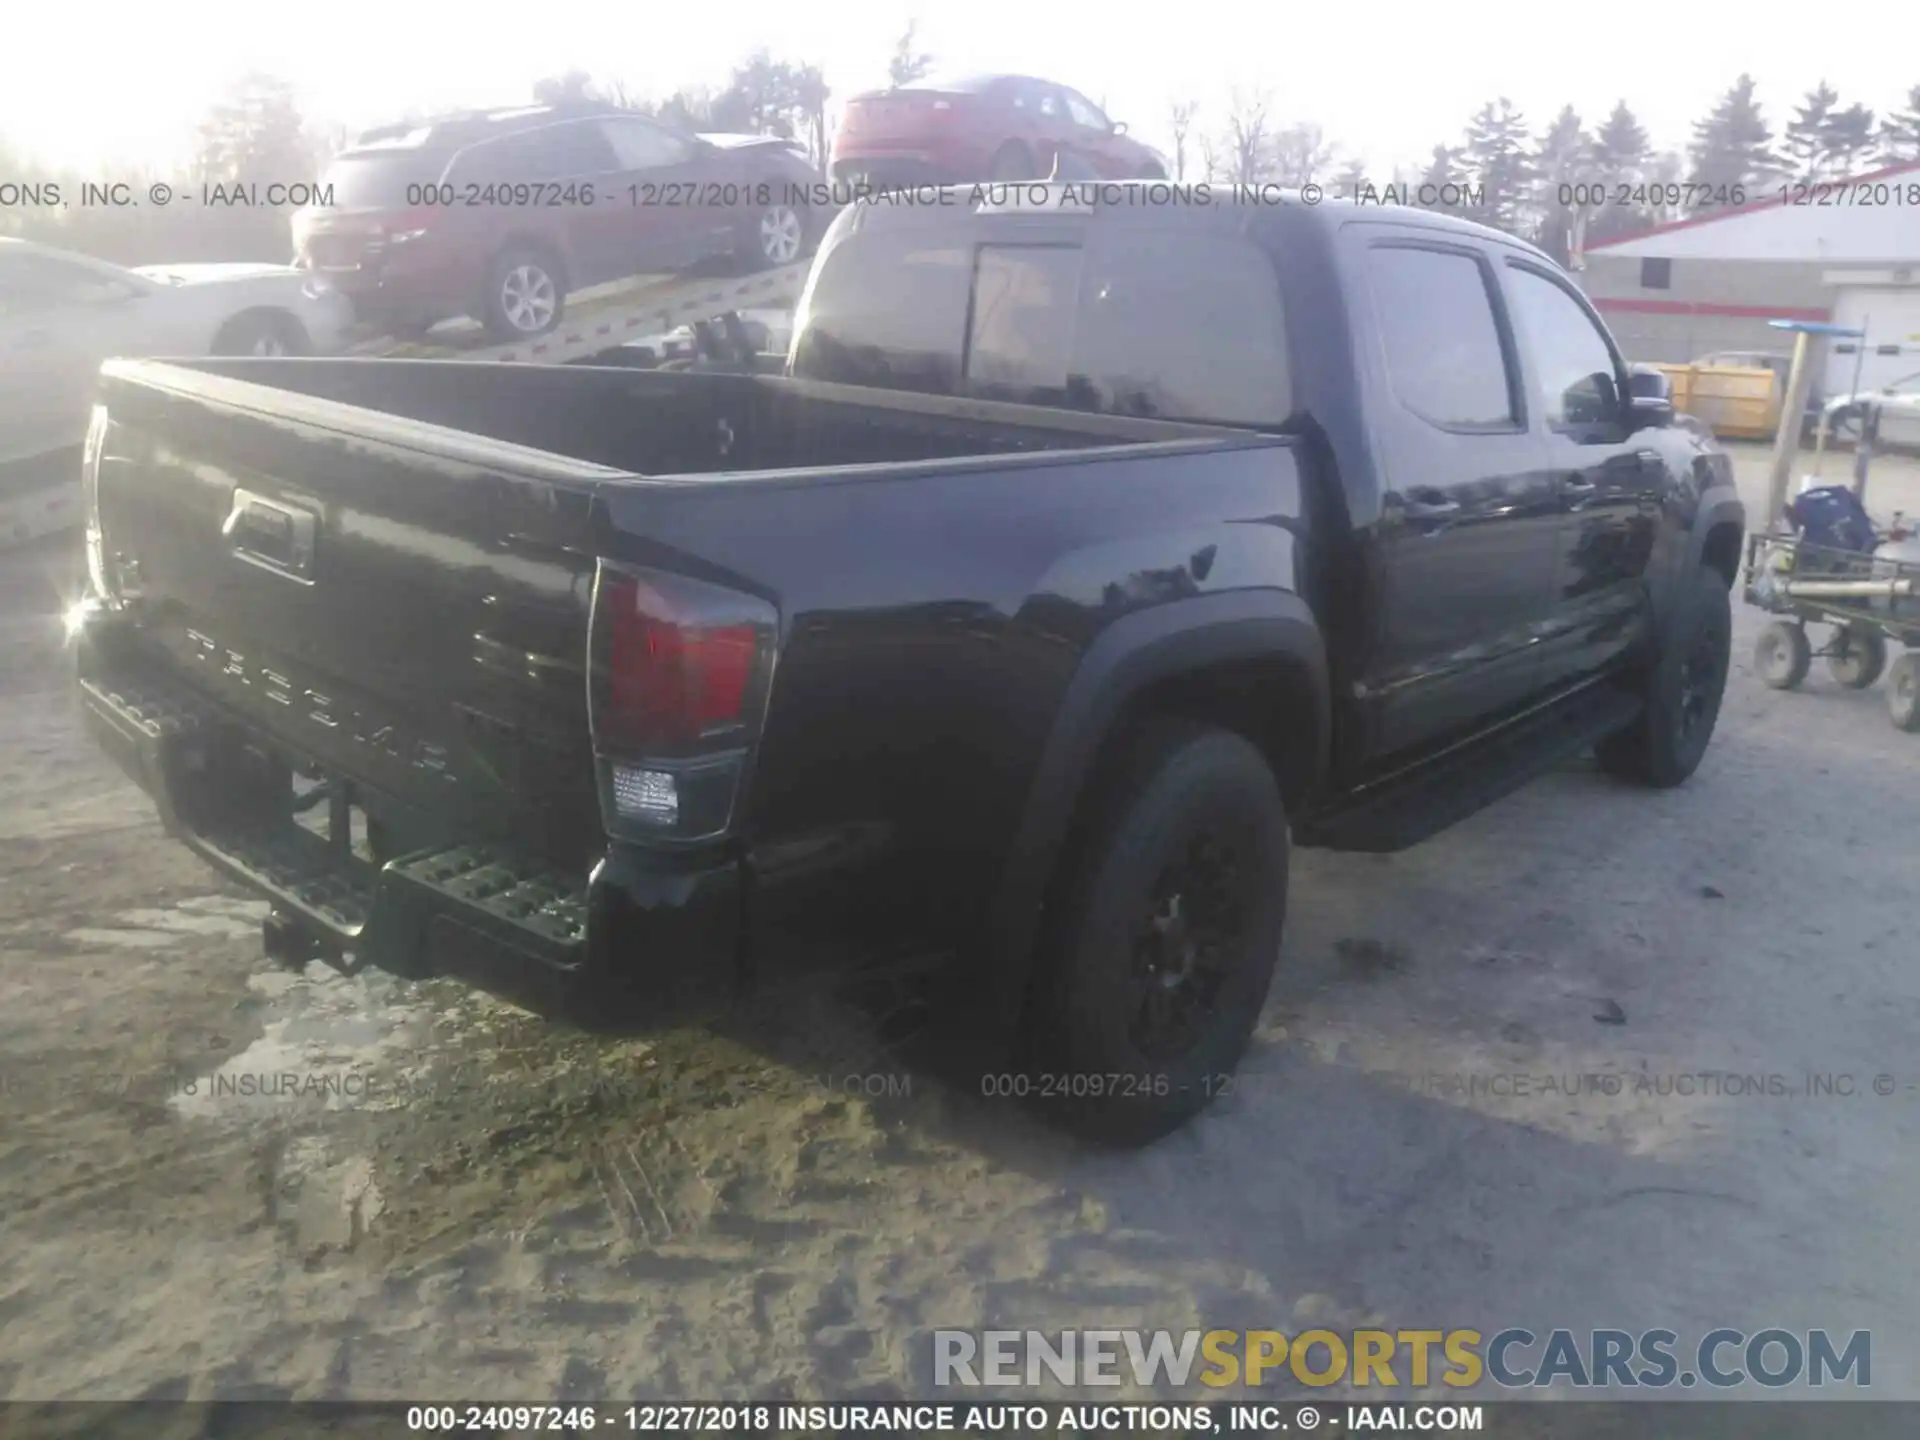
<point x="273" y="535"/>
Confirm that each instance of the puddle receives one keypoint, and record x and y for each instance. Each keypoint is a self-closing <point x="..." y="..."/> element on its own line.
<point x="327" y="1042"/>
<point x="202" y="917"/>
<point x="329" y="1200"/>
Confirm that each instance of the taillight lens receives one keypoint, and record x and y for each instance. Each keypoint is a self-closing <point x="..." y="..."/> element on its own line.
<point x="681" y="674"/>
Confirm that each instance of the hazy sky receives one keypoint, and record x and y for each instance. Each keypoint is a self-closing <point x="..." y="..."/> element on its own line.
<point x="90" y="84"/>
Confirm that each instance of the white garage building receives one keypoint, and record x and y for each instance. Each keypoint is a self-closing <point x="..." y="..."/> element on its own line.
<point x="1852" y="256"/>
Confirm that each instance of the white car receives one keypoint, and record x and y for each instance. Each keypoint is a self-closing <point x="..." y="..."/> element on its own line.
<point x="1899" y="404"/>
<point x="61" y="314"/>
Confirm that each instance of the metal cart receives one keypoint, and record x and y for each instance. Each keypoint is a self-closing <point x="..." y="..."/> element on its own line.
<point x="1867" y="597"/>
<point x="1868" y="601"/>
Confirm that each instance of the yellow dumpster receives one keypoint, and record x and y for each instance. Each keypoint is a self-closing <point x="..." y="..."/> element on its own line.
<point x="1739" y="401"/>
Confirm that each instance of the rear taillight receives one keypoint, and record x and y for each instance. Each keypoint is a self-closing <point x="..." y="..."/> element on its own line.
<point x="680" y="678"/>
<point x="410" y="225"/>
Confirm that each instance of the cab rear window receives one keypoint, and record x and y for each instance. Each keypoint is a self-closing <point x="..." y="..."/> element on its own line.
<point x="1178" y="324"/>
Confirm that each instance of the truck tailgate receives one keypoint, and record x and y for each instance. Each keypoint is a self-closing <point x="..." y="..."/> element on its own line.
<point x="391" y="620"/>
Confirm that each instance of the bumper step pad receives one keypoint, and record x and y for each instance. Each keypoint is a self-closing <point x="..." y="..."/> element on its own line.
<point x="422" y="912"/>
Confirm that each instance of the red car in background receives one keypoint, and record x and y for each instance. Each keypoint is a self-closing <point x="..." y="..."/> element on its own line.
<point x="983" y="127"/>
<point x="500" y="214"/>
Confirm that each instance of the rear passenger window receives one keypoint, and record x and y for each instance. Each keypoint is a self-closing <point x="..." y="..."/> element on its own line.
<point x="552" y="152"/>
<point x="1020" y="341"/>
<point x="1133" y="325"/>
<point x="1182" y="328"/>
<point x="888" y="311"/>
<point x="1443" y="350"/>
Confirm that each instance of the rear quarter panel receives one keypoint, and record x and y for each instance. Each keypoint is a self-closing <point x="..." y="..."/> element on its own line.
<point x="932" y="623"/>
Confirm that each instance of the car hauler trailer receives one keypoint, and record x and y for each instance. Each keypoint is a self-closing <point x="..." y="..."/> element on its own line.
<point x="611" y="316"/>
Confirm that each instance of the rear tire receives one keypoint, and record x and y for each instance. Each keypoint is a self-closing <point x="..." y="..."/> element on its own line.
<point x="1683" y="692"/>
<point x="526" y="294"/>
<point x="1161" y="946"/>
<point x="1859" y="659"/>
<point x="1903" y="692"/>
<point x="1782" y="655"/>
<point x="262" y="333"/>
<point x="773" y="236"/>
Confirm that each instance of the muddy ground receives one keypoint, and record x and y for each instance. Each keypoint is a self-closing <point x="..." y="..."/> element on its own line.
<point x="431" y="1194"/>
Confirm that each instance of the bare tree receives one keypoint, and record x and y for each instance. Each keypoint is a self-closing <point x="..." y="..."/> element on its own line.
<point x="255" y="133"/>
<point x="1180" y="121"/>
<point x="908" y="64"/>
<point x="1298" y="154"/>
<point x="689" y="109"/>
<point x="617" y="93"/>
<point x="810" y="92"/>
<point x="1244" y="145"/>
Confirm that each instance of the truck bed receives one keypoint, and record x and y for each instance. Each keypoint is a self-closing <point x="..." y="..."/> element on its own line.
<point x="381" y="576"/>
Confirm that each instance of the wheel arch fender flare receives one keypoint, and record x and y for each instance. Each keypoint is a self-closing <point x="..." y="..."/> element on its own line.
<point x="1717" y="516"/>
<point x="1720" y="513"/>
<point x="1131" y="655"/>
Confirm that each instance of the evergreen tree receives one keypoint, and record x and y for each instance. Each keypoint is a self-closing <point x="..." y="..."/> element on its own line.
<point x="1899" y="136"/>
<point x="1805" y="142"/>
<point x="1621" y="149"/>
<point x="1564" y="159"/>
<point x="1733" y="144"/>
<point x="1496" y="159"/>
<point x="1438" y="182"/>
<point x="1849" y="137"/>
<point x="1666" y="175"/>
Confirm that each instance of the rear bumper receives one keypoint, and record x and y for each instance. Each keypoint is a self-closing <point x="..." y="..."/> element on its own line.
<point x="628" y="942"/>
<point x="894" y="170"/>
<point x="420" y="280"/>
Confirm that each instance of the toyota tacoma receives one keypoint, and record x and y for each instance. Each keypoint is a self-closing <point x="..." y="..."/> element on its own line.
<point x="1087" y="557"/>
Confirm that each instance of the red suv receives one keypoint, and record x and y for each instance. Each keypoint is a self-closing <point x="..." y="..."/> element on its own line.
<point x="983" y="127"/>
<point x="499" y="215"/>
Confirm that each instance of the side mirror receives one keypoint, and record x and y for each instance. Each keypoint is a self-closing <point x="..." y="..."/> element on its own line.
<point x="1649" y="397"/>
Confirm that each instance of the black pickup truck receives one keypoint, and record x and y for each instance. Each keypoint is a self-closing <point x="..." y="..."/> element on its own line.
<point x="1086" y="558"/>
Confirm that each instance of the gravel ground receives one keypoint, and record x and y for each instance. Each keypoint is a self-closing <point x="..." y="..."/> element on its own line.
<point x="427" y="1193"/>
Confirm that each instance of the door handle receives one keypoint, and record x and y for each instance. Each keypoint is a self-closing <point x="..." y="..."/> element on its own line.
<point x="1430" y="514"/>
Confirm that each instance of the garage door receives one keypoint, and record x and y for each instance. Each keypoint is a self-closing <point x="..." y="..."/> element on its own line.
<point x="1892" y="321"/>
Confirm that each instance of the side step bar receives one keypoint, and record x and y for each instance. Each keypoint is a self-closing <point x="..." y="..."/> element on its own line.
<point x="1405" y="809"/>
